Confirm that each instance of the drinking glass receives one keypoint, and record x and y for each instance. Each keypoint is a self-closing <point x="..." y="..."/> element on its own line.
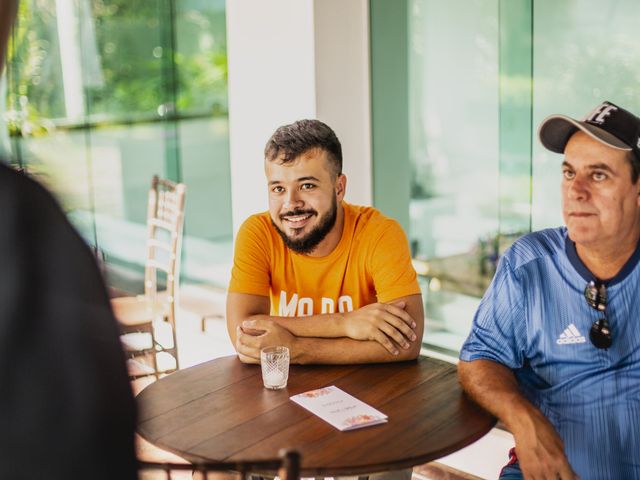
<point x="275" y="367"/>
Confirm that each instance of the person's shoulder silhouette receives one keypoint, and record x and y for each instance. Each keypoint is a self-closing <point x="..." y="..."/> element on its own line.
<point x="66" y="408"/>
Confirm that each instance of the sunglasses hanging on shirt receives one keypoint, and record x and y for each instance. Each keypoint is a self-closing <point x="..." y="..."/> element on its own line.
<point x="596" y="295"/>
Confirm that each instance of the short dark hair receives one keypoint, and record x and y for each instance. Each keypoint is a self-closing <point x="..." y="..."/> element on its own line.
<point x="288" y="142"/>
<point x="635" y="166"/>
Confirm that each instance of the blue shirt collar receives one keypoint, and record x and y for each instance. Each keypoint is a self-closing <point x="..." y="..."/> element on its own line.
<point x="572" y="254"/>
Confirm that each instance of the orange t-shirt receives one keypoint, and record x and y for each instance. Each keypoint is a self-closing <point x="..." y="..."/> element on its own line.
<point x="371" y="263"/>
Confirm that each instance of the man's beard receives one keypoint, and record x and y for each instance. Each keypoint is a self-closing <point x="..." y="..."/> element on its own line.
<point x="307" y="244"/>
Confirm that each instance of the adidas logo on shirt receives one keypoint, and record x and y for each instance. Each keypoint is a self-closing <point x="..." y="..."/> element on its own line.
<point x="570" y="335"/>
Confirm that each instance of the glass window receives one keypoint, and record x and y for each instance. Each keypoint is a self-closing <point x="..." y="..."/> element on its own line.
<point x="102" y="95"/>
<point x="481" y="76"/>
<point x="584" y="52"/>
<point x="453" y="148"/>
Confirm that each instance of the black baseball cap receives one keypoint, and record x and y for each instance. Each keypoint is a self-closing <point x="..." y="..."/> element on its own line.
<point x="607" y="123"/>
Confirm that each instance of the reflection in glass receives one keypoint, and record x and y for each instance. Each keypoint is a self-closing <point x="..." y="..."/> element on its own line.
<point x="454" y="153"/>
<point x="102" y="95"/>
<point x="482" y="76"/>
<point x="582" y="56"/>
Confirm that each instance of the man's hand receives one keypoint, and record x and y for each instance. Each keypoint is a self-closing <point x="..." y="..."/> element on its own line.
<point x="255" y="335"/>
<point x="540" y="449"/>
<point x="386" y="323"/>
<point x="321" y="338"/>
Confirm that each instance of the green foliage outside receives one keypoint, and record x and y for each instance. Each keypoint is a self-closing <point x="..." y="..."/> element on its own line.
<point x="136" y="59"/>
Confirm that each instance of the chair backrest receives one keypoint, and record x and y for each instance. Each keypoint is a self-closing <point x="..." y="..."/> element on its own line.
<point x="165" y="221"/>
<point x="287" y="467"/>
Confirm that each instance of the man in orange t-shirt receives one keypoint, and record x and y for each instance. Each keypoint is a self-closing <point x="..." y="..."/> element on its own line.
<point x="331" y="281"/>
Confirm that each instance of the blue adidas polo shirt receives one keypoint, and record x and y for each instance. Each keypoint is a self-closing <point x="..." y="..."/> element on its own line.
<point x="534" y="319"/>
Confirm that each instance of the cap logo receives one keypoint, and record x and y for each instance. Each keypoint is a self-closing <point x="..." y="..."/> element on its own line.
<point x="600" y="113"/>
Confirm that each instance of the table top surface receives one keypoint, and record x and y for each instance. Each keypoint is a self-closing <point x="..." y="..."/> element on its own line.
<point x="219" y="411"/>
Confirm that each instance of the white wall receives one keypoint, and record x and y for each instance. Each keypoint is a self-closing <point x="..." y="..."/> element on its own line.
<point x="293" y="59"/>
<point x="271" y="83"/>
<point x="343" y="97"/>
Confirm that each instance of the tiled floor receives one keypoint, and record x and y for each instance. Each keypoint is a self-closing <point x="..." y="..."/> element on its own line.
<point x="194" y="345"/>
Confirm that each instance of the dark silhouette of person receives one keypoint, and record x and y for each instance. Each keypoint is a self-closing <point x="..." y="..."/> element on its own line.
<point x="66" y="407"/>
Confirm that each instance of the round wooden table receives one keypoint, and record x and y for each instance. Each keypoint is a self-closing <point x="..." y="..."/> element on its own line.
<point x="219" y="411"/>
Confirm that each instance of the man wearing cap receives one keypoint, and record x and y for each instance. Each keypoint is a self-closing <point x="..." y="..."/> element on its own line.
<point x="554" y="351"/>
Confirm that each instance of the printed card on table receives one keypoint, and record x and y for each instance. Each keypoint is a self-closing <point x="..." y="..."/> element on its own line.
<point x="337" y="407"/>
